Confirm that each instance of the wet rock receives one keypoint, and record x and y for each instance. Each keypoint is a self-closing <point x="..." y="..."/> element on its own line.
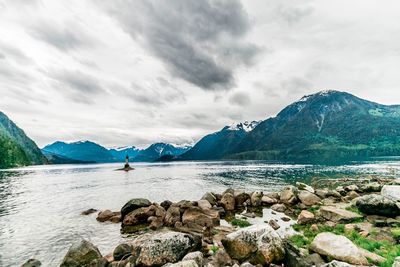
<point x="89" y="211"/>
<point x="374" y="204"/>
<point x="289" y="195"/>
<point x="371" y="187"/>
<point x="338" y="215"/>
<point x="204" y="204"/>
<point x="166" y="204"/>
<point x="305" y="217"/>
<point x="159" y="248"/>
<point x="138" y="216"/>
<point x="338" y="247"/>
<point x="32" y="263"/>
<point x="285" y="219"/>
<point x="172" y="216"/>
<point x="240" y="198"/>
<point x="228" y="202"/>
<point x="195" y="216"/>
<point x="82" y="254"/>
<point x="278" y="207"/>
<point x="122" y="251"/>
<point x="108" y="215"/>
<point x="134" y="204"/>
<point x="196" y="256"/>
<point x="306" y="187"/>
<point x="274" y="224"/>
<point x="210" y="197"/>
<point x="258" y="243"/>
<point x="266" y="200"/>
<point x="256" y="199"/>
<point x="308" y="199"/>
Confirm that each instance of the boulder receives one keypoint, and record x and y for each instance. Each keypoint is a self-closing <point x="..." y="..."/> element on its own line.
<point x="108" y="215"/>
<point x="278" y="207"/>
<point x="307" y="198"/>
<point x="32" y="263"/>
<point x="187" y="263"/>
<point x="138" y="216"/>
<point x="396" y="262"/>
<point x="322" y="193"/>
<point x="352" y="187"/>
<point x="338" y="215"/>
<point x="204" y="204"/>
<point x="352" y="195"/>
<point x="228" y="202"/>
<point x="122" y="251"/>
<point x="289" y="195"/>
<point x="266" y="200"/>
<point x="336" y="263"/>
<point x="256" y="199"/>
<point x="195" y="216"/>
<point x="240" y="198"/>
<point x="166" y="204"/>
<point x="305" y="217"/>
<point x="210" y="197"/>
<point x="133" y="204"/>
<point x="196" y="256"/>
<point x="82" y="254"/>
<point x="159" y="248"/>
<point x="371" y="187"/>
<point x="338" y="247"/>
<point x="274" y="195"/>
<point x="306" y="187"/>
<point x="258" y="243"/>
<point x="374" y="204"/>
<point x="88" y="211"/>
<point x="274" y="224"/>
<point x="220" y="258"/>
<point x="391" y="192"/>
<point x="172" y="216"/>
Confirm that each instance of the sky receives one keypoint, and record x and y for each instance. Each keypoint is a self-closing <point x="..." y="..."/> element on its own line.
<point x="135" y="72"/>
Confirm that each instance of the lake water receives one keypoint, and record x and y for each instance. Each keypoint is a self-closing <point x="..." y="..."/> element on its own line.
<point x="40" y="206"/>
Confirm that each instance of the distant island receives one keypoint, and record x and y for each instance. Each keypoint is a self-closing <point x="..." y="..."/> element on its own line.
<point x="321" y="128"/>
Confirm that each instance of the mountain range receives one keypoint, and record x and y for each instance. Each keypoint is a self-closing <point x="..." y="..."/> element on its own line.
<point x="324" y="127"/>
<point x="87" y="151"/>
<point x="320" y="128"/>
<point x="16" y="149"/>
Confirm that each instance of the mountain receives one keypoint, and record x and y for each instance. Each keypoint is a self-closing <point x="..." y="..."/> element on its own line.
<point x="326" y="126"/>
<point x="81" y="150"/>
<point x="59" y="159"/>
<point x="218" y="144"/>
<point x="16" y="149"/>
<point x="158" y="150"/>
<point x="87" y="152"/>
<point x="119" y="153"/>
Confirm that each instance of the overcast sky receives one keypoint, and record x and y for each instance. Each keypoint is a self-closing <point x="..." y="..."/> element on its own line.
<point x="134" y="72"/>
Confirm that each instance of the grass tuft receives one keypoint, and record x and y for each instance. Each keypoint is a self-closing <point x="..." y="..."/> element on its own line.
<point x="241" y="223"/>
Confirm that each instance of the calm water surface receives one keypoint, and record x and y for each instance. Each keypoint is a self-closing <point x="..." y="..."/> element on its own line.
<point x="40" y="206"/>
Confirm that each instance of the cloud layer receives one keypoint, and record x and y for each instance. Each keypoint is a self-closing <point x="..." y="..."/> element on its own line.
<point x="135" y="72"/>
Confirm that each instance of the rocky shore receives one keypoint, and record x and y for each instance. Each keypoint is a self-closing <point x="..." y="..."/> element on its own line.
<point x="355" y="224"/>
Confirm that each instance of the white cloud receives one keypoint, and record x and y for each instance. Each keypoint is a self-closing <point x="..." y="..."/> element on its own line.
<point x="72" y="70"/>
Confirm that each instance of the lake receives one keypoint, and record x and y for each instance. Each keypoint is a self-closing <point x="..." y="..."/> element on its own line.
<point x="40" y="206"/>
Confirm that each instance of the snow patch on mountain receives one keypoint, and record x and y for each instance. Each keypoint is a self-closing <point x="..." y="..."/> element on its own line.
<point x="246" y="126"/>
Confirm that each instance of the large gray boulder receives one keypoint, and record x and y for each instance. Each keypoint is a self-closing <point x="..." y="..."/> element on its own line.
<point x="338" y="215"/>
<point x="259" y="244"/>
<point x="308" y="198"/>
<point x="32" y="263"/>
<point x="391" y="192"/>
<point x="338" y="247"/>
<point x="157" y="249"/>
<point x="374" y="204"/>
<point x="289" y="195"/>
<point x="82" y="254"/>
<point x="134" y="204"/>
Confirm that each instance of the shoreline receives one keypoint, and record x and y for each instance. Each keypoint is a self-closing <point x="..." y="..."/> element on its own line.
<point x="217" y="225"/>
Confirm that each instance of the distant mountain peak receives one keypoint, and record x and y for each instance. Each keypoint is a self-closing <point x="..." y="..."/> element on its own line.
<point x="323" y="93"/>
<point x="245" y="126"/>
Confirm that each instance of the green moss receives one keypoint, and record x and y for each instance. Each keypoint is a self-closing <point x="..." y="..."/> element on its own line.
<point x="241" y="223"/>
<point x="354" y="209"/>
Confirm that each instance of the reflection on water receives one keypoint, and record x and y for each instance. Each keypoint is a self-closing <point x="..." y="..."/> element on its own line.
<point x="40" y="206"/>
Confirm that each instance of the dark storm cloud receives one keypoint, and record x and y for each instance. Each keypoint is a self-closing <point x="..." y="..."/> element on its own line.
<point x="240" y="99"/>
<point x="199" y="41"/>
<point x="64" y="37"/>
